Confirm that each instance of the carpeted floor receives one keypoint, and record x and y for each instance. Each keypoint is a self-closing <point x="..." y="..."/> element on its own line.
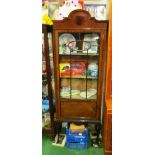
<point x="48" y="149"/>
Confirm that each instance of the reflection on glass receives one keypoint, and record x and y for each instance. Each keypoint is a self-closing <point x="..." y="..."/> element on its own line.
<point x="43" y="48"/>
<point x="50" y="44"/>
<point x="78" y="86"/>
<point x="91" y="89"/>
<point x="44" y="85"/>
<point x="43" y="55"/>
<point x="65" y="88"/>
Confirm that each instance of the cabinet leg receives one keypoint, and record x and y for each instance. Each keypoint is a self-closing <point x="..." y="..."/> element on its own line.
<point x="58" y="126"/>
<point x="98" y="142"/>
<point x="98" y="129"/>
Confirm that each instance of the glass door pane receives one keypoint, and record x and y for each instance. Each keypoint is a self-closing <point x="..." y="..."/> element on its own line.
<point x="78" y="65"/>
<point x="92" y="77"/>
<point x="65" y="81"/>
<point x="78" y="78"/>
<point x="78" y="86"/>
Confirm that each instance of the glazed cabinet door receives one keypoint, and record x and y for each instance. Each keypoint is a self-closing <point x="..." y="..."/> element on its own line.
<point x="78" y="65"/>
<point x="79" y="73"/>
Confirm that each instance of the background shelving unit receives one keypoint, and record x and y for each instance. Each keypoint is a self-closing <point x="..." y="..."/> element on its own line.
<point x="48" y="81"/>
<point x="89" y="5"/>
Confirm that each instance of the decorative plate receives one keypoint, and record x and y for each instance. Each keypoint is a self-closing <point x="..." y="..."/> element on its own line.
<point x="66" y="42"/>
<point x="67" y="93"/>
<point x="90" y="93"/>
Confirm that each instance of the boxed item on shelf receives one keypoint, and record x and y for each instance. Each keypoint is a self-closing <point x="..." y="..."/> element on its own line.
<point x="90" y="44"/>
<point x="64" y="69"/>
<point x="78" y="69"/>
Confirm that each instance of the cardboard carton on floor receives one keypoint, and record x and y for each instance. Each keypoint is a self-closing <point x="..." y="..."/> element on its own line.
<point x="60" y="140"/>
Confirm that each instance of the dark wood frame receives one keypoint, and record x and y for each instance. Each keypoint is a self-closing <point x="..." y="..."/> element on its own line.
<point x="81" y="21"/>
<point x="45" y="30"/>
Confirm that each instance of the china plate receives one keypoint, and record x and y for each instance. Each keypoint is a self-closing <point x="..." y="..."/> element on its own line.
<point x="67" y="93"/>
<point x="65" y="40"/>
<point x="90" y="93"/>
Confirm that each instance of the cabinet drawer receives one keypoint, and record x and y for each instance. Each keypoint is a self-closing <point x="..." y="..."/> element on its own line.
<point x="76" y="109"/>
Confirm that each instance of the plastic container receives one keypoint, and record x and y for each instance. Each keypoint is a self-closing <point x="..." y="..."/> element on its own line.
<point x="76" y="137"/>
<point x="80" y="146"/>
<point x="77" y="133"/>
<point x="70" y="139"/>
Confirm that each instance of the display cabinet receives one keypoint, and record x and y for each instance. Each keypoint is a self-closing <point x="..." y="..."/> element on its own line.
<point x="80" y="44"/>
<point x="47" y="80"/>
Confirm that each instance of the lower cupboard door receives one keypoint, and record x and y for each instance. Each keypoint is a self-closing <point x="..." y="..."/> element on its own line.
<point x="75" y="109"/>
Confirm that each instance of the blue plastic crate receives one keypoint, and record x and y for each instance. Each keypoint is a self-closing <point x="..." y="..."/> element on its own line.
<point x="77" y="133"/>
<point x="76" y="137"/>
<point x="77" y="145"/>
<point x="70" y="139"/>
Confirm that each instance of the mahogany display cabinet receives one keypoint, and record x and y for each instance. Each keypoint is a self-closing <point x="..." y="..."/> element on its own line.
<point x="80" y="50"/>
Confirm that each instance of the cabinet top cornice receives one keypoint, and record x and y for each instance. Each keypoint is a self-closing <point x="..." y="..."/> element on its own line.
<point x="79" y="19"/>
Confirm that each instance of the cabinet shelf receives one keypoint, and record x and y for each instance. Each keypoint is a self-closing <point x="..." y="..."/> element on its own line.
<point x="78" y="97"/>
<point x="80" y="77"/>
<point x="80" y="54"/>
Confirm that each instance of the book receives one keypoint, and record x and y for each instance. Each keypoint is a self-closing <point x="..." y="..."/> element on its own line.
<point x="76" y="69"/>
